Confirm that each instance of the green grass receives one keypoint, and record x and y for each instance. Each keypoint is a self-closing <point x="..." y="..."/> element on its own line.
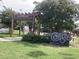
<point x="23" y="50"/>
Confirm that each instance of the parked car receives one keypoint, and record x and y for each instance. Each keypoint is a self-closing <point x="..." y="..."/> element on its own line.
<point x="4" y="30"/>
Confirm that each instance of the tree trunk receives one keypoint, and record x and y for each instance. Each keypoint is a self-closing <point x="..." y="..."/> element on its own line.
<point x="12" y="25"/>
<point x="11" y="29"/>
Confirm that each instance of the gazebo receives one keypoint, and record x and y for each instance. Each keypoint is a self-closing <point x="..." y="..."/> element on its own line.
<point x="29" y="17"/>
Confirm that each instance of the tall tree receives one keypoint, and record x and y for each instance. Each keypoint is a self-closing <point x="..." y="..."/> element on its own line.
<point x="56" y="14"/>
<point x="7" y="18"/>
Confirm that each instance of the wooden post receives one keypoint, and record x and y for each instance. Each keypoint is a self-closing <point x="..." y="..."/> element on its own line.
<point x="33" y="26"/>
<point x="20" y="28"/>
<point x="38" y="25"/>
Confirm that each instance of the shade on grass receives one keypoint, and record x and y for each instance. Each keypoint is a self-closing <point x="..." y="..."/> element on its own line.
<point x="23" y="50"/>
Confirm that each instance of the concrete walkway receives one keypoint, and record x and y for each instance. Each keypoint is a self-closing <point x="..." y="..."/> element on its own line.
<point x="11" y="39"/>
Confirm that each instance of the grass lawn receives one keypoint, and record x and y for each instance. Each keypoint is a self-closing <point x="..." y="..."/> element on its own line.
<point x="23" y="50"/>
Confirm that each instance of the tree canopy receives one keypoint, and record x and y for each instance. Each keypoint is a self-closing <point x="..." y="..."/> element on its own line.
<point x="57" y="15"/>
<point x="7" y="16"/>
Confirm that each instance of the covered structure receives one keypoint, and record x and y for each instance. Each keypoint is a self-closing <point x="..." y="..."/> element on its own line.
<point x="20" y="17"/>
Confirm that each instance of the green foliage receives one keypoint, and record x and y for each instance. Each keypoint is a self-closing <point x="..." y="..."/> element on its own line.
<point x="7" y="17"/>
<point x="57" y="15"/>
<point x="36" y="39"/>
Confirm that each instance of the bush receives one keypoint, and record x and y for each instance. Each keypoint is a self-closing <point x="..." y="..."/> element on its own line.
<point x="55" y="40"/>
<point x="36" y="39"/>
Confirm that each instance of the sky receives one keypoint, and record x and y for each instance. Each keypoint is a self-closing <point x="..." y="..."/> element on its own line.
<point x="21" y="5"/>
<point x="77" y="1"/>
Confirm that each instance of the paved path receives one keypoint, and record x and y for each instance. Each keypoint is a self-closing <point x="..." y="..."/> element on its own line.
<point x="8" y="39"/>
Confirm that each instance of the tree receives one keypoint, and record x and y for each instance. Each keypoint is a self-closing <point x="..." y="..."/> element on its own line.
<point x="7" y="18"/>
<point x="56" y="14"/>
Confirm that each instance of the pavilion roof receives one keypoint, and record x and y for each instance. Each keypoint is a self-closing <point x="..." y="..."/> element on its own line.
<point x="25" y="16"/>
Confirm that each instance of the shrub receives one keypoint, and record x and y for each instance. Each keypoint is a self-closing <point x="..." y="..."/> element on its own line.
<point x="36" y="39"/>
<point x="56" y="39"/>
